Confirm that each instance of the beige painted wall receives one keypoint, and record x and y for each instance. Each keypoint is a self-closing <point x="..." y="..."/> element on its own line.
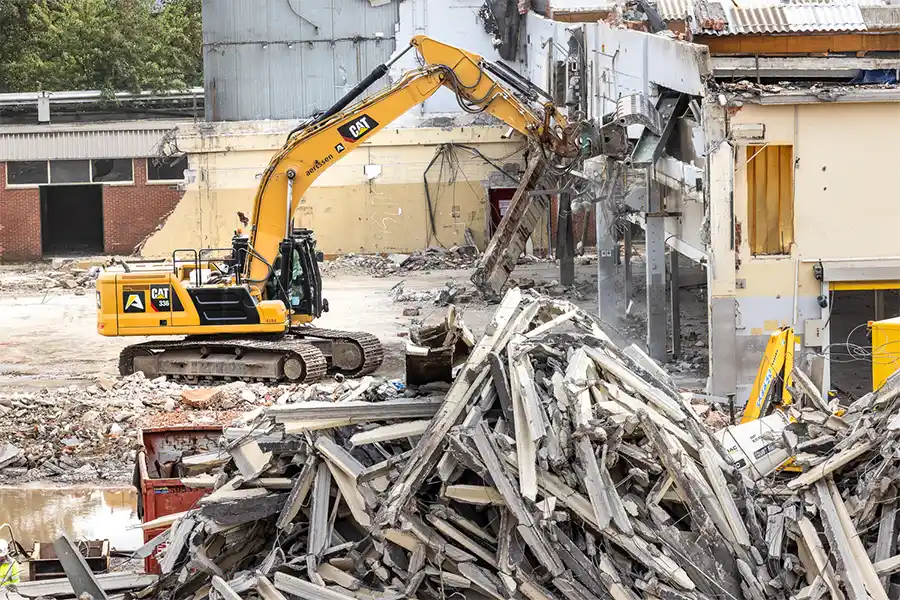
<point x="846" y="199"/>
<point x="350" y="211"/>
<point x="846" y="205"/>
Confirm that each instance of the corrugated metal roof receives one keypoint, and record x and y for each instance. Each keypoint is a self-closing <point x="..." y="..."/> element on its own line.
<point x="674" y="10"/>
<point x="25" y="143"/>
<point x="794" y="18"/>
<point x="756" y="17"/>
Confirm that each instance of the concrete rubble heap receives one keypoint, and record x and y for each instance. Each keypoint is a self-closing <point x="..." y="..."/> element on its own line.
<point x="78" y="433"/>
<point x="557" y="465"/>
<point x="430" y="259"/>
<point x="451" y="293"/>
<point x="66" y="277"/>
<point x="436" y="258"/>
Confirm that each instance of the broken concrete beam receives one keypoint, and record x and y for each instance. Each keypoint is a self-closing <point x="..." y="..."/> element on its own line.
<point x="298" y="494"/>
<point x="242" y="506"/>
<point x="358" y="412"/>
<point x="178" y="543"/>
<point x="79" y="574"/>
<point x="62" y="587"/>
<point x="304" y="589"/>
<point x="473" y="494"/>
<point x="250" y="460"/>
<point x="525" y="211"/>
<point x="318" y="535"/>
<point x="221" y="586"/>
<point x="266" y="590"/>
<point x="390" y="432"/>
<point x="830" y="466"/>
<point x="426" y="453"/>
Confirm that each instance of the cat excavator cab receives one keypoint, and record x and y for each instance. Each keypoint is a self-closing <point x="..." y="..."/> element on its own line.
<point x="247" y="315"/>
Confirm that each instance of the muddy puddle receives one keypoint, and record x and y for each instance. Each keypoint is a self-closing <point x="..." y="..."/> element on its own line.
<point x="39" y="514"/>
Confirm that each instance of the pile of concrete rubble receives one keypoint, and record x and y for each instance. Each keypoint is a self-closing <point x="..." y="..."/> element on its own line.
<point x="74" y="433"/>
<point x="371" y="265"/>
<point x="556" y="465"/>
<point x="451" y="293"/>
<point x="437" y="258"/>
<point x="429" y="259"/>
<point x="41" y="278"/>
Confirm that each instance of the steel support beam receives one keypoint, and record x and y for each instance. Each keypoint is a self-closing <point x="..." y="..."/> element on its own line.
<point x="675" y="303"/>
<point x="607" y="249"/>
<point x="565" y="239"/>
<point x="77" y="570"/>
<point x="629" y="284"/>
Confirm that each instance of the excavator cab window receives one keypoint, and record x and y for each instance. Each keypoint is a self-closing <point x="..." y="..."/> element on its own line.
<point x="300" y="288"/>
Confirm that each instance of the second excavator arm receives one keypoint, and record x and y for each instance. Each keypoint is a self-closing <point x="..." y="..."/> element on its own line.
<point x="479" y="86"/>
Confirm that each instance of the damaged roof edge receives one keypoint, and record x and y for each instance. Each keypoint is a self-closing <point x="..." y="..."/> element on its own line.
<point x="825" y="94"/>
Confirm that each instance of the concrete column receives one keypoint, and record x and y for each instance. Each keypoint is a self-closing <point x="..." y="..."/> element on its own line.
<point x="606" y="255"/>
<point x="655" y="257"/>
<point x="675" y="304"/>
<point x="719" y="184"/>
<point x="629" y="284"/>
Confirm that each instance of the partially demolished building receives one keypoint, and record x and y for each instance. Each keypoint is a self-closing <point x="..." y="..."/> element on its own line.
<point x="765" y="137"/>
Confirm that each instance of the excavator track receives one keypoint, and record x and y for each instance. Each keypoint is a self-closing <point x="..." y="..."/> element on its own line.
<point x="296" y="357"/>
<point x="302" y="362"/>
<point x="371" y="352"/>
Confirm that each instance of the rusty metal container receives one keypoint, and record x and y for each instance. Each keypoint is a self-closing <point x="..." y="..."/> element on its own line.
<point x="161" y="491"/>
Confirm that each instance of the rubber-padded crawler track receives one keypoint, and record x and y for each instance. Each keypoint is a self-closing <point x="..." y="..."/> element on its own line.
<point x="314" y="362"/>
<point x="371" y="349"/>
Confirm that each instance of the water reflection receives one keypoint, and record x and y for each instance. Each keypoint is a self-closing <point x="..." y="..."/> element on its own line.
<point x="37" y="514"/>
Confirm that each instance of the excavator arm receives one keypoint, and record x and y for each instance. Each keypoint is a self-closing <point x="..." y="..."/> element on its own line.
<point x="479" y="85"/>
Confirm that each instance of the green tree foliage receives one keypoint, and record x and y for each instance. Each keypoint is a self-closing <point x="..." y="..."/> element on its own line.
<point x="110" y="45"/>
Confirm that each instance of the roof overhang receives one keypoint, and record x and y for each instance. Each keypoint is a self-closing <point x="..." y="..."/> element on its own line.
<point x="833" y="95"/>
<point x="823" y="67"/>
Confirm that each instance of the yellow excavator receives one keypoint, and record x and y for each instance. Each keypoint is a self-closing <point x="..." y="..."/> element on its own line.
<point x="248" y="315"/>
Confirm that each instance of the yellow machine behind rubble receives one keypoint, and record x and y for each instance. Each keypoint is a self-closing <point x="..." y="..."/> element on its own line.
<point x="248" y="315"/>
<point x="766" y="412"/>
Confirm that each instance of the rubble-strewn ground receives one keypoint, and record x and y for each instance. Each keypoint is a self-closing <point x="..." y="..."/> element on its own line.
<point x="64" y="405"/>
<point x="429" y="259"/>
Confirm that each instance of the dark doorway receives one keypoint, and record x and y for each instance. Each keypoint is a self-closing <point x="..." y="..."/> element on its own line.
<point x="499" y="199"/>
<point x="851" y="344"/>
<point x="72" y="219"/>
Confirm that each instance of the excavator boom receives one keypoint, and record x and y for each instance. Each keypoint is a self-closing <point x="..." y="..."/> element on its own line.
<point x="321" y="144"/>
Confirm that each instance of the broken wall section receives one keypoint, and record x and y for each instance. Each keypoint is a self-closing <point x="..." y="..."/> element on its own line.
<point x="843" y="204"/>
<point x="373" y="200"/>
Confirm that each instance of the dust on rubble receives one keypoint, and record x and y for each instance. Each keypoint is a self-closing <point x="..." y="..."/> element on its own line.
<point x="376" y="265"/>
<point x="54" y="277"/>
<point x="85" y="434"/>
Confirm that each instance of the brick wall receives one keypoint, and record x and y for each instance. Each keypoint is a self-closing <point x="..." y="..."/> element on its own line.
<point x="132" y="212"/>
<point x="20" y="221"/>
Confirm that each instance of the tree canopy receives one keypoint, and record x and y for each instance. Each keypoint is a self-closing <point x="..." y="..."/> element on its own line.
<point x="110" y="45"/>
